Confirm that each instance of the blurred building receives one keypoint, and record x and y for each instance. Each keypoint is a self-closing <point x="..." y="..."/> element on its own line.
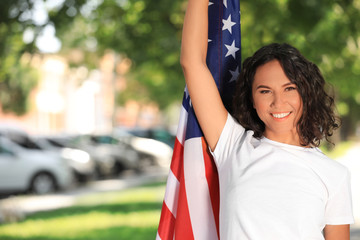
<point x="76" y="100"/>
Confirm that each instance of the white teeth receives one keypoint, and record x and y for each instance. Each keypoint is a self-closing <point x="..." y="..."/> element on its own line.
<point x="281" y="115"/>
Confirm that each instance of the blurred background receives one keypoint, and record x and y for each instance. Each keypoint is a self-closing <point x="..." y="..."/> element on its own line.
<point x="90" y="95"/>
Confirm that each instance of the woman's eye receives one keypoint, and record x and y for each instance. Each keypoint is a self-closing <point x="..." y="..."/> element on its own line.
<point x="264" y="91"/>
<point x="290" y="88"/>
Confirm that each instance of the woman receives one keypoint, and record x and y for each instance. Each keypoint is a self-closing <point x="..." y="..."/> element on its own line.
<point x="274" y="181"/>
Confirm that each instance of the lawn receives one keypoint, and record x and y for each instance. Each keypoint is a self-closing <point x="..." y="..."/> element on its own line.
<point x="129" y="214"/>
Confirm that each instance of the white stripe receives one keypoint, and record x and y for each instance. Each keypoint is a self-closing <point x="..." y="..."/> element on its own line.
<point x="158" y="237"/>
<point x="181" y="131"/>
<point x="172" y="193"/>
<point x="197" y="192"/>
<point x="186" y="92"/>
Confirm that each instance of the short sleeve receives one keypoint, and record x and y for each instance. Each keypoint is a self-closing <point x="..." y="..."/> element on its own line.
<point x="339" y="206"/>
<point x="228" y="139"/>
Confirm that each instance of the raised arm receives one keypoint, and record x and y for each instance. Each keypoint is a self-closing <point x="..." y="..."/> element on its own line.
<point x="204" y="94"/>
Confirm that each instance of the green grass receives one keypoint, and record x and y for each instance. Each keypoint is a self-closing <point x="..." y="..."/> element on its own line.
<point x="130" y="214"/>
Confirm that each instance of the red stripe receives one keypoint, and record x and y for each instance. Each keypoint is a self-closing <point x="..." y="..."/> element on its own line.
<point x="183" y="228"/>
<point x="167" y="223"/>
<point x="177" y="159"/>
<point x="213" y="181"/>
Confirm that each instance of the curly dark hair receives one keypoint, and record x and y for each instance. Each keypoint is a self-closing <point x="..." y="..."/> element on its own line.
<point x="318" y="119"/>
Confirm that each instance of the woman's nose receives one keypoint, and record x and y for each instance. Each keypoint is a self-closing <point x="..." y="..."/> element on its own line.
<point x="277" y="100"/>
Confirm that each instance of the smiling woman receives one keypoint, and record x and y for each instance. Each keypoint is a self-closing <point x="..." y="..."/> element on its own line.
<point x="280" y="68"/>
<point x="274" y="181"/>
<point x="277" y="103"/>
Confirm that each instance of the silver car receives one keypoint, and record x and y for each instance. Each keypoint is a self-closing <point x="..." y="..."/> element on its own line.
<point x="24" y="170"/>
<point x="81" y="163"/>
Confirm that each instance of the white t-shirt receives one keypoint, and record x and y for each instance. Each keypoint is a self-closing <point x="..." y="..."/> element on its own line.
<point x="272" y="190"/>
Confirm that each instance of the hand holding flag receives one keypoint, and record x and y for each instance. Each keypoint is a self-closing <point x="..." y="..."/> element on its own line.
<point x="191" y="203"/>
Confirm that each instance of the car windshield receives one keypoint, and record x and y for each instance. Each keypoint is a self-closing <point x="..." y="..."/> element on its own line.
<point x="25" y="142"/>
<point x="56" y="143"/>
<point x="4" y="150"/>
<point x="104" y="140"/>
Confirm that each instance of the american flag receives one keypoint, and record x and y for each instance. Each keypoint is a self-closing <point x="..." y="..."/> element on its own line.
<point x="191" y="204"/>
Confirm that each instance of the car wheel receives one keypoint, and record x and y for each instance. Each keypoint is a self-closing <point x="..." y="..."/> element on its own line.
<point x="43" y="183"/>
<point x="118" y="168"/>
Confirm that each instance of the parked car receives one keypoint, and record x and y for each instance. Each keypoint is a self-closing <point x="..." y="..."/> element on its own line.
<point x="125" y="155"/>
<point x="17" y="135"/>
<point x="24" y="170"/>
<point x="82" y="165"/>
<point x="103" y="159"/>
<point x="159" y="152"/>
<point x="79" y="161"/>
<point x="159" y="134"/>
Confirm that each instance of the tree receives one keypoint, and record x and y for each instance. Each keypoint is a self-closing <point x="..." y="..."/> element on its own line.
<point x="13" y="94"/>
<point x="148" y="32"/>
<point x="19" y="30"/>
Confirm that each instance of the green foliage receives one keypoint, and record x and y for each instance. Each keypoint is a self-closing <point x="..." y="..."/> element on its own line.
<point x="146" y="32"/>
<point x="149" y="32"/>
<point x="152" y="83"/>
<point x="325" y="31"/>
<point x="16" y="78"/>
<point x="15" y="87"/>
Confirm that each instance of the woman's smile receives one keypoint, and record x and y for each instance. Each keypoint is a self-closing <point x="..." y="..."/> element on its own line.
<point x="280" y="115"/>
<point x="277" y="103"/>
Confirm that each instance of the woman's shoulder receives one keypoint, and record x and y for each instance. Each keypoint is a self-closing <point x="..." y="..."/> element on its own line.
<point x="313" y="157"/>
<point x="232" y="124"/>
<point x="331" y="171"/>
<point x="330" y="163"/>
<point x="237" y="131"/>
<point x="232" y="137"/>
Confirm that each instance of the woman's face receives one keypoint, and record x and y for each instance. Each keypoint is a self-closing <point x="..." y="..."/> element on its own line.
<point x="277" y="103"/>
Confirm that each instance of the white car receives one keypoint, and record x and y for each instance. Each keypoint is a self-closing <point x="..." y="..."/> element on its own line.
<point x="160" y="152"/>
<point x="82" y="165"/>
<point x="31" y="170"/>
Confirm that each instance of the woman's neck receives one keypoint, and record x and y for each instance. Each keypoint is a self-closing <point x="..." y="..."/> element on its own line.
<point x="291" y="138"/>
